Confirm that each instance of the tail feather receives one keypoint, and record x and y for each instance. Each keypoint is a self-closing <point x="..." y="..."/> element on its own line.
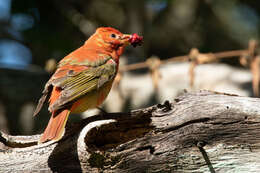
<point x="55" y="128"/>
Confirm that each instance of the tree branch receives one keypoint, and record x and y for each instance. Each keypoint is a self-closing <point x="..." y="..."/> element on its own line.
<point x="201" y="131"/>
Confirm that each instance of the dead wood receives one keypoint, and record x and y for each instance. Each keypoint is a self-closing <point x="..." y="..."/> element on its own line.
<point x="201" y="132"/>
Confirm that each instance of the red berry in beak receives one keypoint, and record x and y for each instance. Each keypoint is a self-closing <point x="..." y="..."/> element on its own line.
<point x="136" y="40"/>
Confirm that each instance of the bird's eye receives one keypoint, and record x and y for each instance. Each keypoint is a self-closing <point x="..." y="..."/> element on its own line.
<point x="113" y="35"/>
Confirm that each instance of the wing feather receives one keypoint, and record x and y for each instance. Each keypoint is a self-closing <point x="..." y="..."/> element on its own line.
<point x="80" y="83"/>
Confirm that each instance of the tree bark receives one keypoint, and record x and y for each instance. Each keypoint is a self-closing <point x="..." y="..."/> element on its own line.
<point x="196" y="132"/>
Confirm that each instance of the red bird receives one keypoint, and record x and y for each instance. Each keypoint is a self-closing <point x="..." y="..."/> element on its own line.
<point x="83" y="78"/>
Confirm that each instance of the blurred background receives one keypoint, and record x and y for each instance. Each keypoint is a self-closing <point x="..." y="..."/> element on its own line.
<point x="34" y="35"/>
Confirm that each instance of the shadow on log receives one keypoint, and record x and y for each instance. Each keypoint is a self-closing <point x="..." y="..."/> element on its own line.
<point x="201" y="132"/>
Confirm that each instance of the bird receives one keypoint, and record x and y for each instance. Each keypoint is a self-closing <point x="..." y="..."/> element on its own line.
<point x="83" y="78"/>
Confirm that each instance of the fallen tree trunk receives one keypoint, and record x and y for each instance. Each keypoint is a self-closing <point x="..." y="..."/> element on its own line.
<point x="201" y="132"/>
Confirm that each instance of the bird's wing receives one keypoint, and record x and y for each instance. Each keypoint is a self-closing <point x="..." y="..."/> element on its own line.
<point x="76" y="84"/>
<point x="77" y="76"/>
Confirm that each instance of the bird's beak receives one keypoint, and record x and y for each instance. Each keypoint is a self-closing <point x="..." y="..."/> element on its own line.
<point x="125" y="39"/>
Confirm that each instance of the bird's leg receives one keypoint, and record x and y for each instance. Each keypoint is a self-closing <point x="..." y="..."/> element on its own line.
<point x="103" y="112"/>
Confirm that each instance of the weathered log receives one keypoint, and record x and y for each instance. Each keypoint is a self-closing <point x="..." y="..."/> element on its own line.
<point x="200" y="132"/>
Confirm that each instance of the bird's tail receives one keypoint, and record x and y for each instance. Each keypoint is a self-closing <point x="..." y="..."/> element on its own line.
<point x="56" y="126"/>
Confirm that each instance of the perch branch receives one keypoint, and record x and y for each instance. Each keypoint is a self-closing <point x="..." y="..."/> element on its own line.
<point x="200" y="131"/>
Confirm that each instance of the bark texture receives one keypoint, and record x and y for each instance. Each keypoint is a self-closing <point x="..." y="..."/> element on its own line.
<point x="196" y="132"/>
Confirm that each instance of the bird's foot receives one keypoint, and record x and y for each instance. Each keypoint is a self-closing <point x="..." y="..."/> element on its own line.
<point x="102" y="111"/>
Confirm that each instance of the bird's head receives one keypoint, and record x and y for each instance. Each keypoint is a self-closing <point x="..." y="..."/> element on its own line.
<point x="112" y="39"/>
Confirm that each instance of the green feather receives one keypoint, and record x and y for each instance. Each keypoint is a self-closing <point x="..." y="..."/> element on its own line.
<point x="79" y="84"/>
<point x="100" y="60"/>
